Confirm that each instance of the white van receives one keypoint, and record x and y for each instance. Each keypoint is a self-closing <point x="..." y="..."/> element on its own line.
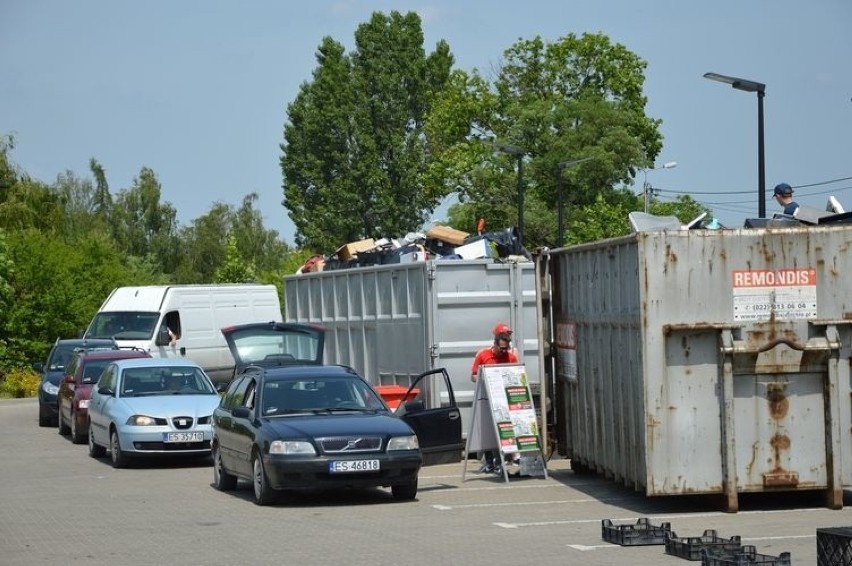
<point x="184" y="320"/>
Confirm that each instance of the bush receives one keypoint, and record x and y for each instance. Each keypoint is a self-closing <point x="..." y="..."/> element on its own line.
<point x="20" y="382"/>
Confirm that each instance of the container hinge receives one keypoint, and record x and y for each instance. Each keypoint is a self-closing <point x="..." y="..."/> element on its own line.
<point x="433" y="353"/>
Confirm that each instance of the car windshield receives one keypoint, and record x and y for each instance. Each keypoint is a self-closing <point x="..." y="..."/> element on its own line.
<point x="165" y="380"/>
<point x="93" y="370"/>
<point x="274" y="346"/>
<point x="318" y="394"/>
<point x="123" y="325"/>
<point x="59" y="358"/>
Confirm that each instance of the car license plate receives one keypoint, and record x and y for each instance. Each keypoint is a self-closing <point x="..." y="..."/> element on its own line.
<point x="183" y="436"/>
<point x="344" y="466"/>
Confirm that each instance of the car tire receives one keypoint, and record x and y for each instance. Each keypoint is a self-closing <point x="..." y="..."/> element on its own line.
<point x="405" y="492"/>
<point x="221" y="478"/>
<point x="117" y="455"/>
<point x="95" y="449"/>
<point x="44" y="419"/>
<point x="263" y="494"/>
<point x="64" y="429"/>
<point x="77" y="437"/>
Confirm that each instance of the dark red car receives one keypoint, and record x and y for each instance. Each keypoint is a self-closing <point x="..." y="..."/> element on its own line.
<point x="75" y="388"/>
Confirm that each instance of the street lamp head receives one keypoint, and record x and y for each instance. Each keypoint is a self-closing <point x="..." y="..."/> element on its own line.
<point x="737" y="83"/>
<point x="570" y="163"/>
<point x="670" y="165"/>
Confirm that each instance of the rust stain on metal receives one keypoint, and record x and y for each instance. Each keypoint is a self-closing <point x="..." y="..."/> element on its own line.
<point x="779" y="405"/>
<point x="750" y="465"/>
<point x="781" y="478"/>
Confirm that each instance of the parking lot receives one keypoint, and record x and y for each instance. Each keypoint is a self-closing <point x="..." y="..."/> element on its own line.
<point x="59" y="506"/>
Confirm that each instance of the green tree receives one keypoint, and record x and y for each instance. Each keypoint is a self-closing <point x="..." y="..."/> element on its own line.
<point x="354" y="146"/>
<point x="234" y="268"/>
<point x="573" y="98"/>
<point x="143" y="226"/>
<point x="6" y="269"/>
<point x="102" y="199"/>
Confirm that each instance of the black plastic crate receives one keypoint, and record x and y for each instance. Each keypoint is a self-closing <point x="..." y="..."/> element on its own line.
<point x="640" y="533"/>
<point x="690" y="547"/>
<point x="834" y="546"/>
<point x="747" y="556"/>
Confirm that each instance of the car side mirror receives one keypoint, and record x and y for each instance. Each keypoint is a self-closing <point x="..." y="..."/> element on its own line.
<point x="39" y="367"/>
<point x="241" y="412"/>
<point x="163" y="338"/>
<point x="413" y="407"/>
<point x="106" y="391"/>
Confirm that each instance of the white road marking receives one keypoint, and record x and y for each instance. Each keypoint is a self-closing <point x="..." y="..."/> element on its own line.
<point x="674" y="516"/>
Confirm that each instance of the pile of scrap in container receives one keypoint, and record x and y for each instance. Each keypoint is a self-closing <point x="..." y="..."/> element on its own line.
<point x="438" y="243"/>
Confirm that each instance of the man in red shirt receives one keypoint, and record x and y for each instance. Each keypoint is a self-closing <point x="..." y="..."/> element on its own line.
<point x="500" y="352"/>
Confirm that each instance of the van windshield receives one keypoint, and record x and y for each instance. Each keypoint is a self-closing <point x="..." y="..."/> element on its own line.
<point x="123" y="325"/>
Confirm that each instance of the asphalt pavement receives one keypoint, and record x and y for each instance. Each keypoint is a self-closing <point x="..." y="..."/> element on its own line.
<point x="59" y="506"/>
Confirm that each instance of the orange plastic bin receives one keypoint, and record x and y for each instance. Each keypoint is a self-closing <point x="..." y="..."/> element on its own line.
<point x="394" y="395"/>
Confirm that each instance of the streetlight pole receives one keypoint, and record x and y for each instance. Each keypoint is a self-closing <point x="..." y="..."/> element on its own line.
<point x="519" y="154"/>
<point x="560" y="167"/>
<point x="759" y="88"/>
<point x="646" y="188"/>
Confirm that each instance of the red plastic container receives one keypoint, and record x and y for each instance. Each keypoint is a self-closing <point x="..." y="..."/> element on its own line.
<point x="394" y="395"/>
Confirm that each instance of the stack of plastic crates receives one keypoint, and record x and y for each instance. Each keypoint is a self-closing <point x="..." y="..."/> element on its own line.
<point x="834" y="546"/>
<point x="746" y="556"/>
<point x="640" y="533"/>
<point x="690" y="548"/>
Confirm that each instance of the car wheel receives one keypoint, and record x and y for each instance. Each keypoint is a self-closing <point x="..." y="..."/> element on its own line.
<point x="43" y="418"/>
<point x="405" y="492"/>
<point x="64" y="430"/>
<point x="221" y="478"/>
<point x="119" y="458"/>
<point x="263" y="494"/>
<point x="95" y="449"/>
<point x="76" y="436"/>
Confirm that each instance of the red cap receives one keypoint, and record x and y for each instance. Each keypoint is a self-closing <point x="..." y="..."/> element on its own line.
<point x="501" y="328"/>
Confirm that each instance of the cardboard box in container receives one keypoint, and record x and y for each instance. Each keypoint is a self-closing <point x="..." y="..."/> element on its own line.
<point x="447" y="234"/>
<point x="474" y="250"/>
<point x="350" y="250"/>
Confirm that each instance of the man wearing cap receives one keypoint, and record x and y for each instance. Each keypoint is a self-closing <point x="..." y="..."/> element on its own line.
<point x="500" y="352"/>
<point x="784" y="197"/>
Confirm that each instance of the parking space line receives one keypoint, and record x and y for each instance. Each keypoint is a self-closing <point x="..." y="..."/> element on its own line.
<point x="651" y="517"/>
<point x="591" y="547"/>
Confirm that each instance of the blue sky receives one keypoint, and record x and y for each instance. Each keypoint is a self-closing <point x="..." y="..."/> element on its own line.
<point x="197" y="89"/>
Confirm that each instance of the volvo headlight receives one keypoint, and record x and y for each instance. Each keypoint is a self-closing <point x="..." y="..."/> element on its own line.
<point x="403" y="443"/>
<point x="292" y="447"/>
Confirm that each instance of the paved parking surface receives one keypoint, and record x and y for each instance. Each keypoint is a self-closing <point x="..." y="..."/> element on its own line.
<point x="59" y="506"/>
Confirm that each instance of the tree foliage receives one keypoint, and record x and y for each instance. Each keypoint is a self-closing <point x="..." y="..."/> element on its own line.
<point x="577" y="97"/>
<point x="355" y="148"/>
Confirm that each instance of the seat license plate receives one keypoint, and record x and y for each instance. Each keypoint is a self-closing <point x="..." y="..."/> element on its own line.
<point x="183" y="436"/>
<point x="345" y="466"/>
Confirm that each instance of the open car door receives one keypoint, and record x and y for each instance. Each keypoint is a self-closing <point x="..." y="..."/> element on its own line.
<point x="432" y="412"/>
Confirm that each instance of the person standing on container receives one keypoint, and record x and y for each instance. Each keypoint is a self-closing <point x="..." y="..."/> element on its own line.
<point x="784" y="197"/>
<point x="500" y="352"/>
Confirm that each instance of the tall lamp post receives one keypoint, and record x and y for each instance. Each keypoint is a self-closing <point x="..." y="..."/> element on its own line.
<point x="519" y="154"/>
<point x="760" y="88"/>
<point x="560" y="167"/>
<point x="646" y="188"/>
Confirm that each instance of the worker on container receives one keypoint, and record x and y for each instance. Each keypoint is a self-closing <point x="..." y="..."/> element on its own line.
<point x="784" y="197"/>
<point x="500" y="352"/>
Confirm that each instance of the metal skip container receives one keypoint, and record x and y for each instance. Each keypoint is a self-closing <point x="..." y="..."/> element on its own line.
<point x="393" y="322"/>
<point x="701" y="361"/>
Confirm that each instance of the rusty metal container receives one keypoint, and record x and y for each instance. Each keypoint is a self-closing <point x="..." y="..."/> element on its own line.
<point x="701" y="361"/>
